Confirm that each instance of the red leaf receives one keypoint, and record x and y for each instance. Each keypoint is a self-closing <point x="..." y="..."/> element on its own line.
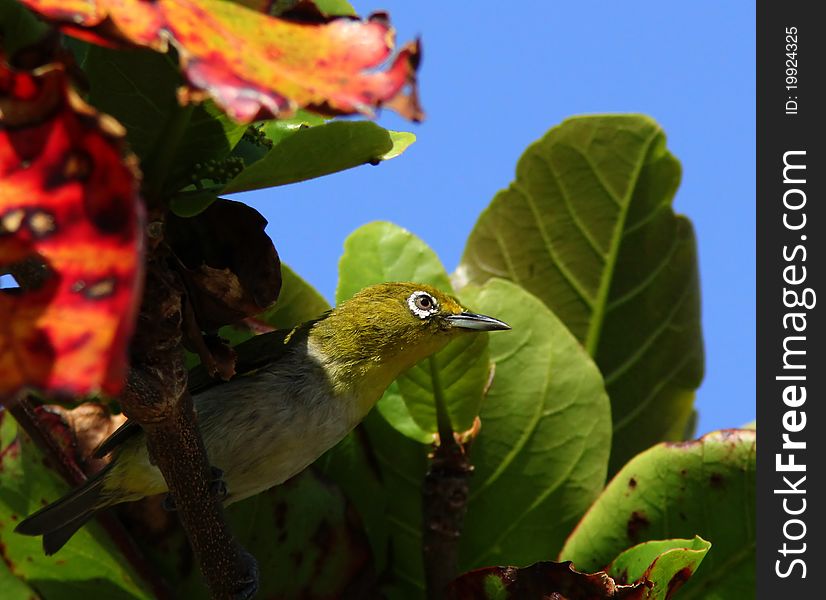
<point x="70" y="219"/>
<point x="253" y="65"/>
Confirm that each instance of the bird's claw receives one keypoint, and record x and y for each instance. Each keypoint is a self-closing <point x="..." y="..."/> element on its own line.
<point x="217" y="485"/>
<point x="249" y="581"/>
<point x="168" y="503"/>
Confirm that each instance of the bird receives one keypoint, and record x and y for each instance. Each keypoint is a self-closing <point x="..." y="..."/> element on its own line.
<point x="296" y="393"/>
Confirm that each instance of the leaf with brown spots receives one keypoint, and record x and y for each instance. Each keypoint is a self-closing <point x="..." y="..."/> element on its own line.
<point x="70" y="219"/>
<point x="704" y="487"/>
<point x="308" y="540"/>
<point x="650" y="571"/>
<point x="541" y="580"/>
<point x="253" y="65"/>
<point x="90" y="566"/>
<point x="665" y="565"/>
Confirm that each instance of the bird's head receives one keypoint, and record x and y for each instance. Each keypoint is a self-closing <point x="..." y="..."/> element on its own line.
<point x="387" y="328"/>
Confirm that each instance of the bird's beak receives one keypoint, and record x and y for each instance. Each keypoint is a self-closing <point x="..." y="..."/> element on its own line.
<point x="469" y="320"/>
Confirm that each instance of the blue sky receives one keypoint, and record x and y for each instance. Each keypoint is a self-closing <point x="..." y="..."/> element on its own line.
<point x="496" y="78"/>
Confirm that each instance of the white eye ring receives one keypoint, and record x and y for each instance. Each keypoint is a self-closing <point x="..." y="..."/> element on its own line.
<point x="422" y="312"/>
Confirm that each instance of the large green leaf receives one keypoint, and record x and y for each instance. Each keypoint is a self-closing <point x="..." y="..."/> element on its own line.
<point x="138" y="87"/>
<point x="308" y="542"/>
<point x="310" y="152"/>
<point x="542" y="452"/>
<point x="263" y="138"/>
<point x="379" y="252"/>
<point x="297" y="302"/>
<point x="18" y="28"/>
<point x="352" y="465"/>
<point x="89" y="566"/>
<point x="14" y="588"/>
<point x="704" y="487"/>
<point x="587" y="226"/>
<point x="381" y="472"/>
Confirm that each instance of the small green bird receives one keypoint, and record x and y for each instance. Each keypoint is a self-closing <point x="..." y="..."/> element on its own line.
<point x="297" y="394"/>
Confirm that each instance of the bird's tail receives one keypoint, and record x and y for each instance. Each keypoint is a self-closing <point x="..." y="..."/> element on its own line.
<point x="59" y="521"/>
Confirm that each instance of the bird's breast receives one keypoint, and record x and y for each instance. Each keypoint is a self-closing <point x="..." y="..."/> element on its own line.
<point x="262" y="429"/>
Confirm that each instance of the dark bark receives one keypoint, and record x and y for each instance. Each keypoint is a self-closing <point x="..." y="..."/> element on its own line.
<point x="445" y="493"/>
<point x="156" y="397"/>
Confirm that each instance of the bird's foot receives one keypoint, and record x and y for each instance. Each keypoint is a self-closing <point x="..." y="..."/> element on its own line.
<point x="168" y="503"/>
<point x="249" y="581"/>
<point x="217" y="486"/>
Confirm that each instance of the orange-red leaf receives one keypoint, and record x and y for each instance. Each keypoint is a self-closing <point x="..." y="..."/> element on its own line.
<point x="253" y="65"/>
<point x="69" y="230"/>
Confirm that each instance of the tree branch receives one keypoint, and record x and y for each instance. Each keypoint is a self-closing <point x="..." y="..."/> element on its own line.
<point x="156" y="397"/>
<point x="445" y="492"/>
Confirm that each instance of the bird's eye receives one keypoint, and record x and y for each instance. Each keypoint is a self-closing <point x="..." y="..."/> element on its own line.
<point x="422" y="304"/>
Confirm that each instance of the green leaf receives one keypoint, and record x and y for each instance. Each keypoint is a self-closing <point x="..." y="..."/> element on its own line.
<point x="335" y="7"/>
<point x="394" y="410"/>
<point x="272" y="133"/>
<point x="278" y="129"/>
<point x="14" y="588"/>
<point x="137" y="87"/>
<point x="541" y="455"/>
<point x="677" y="490"/>
<point x="381" y="472"/>
<point x="401" y="140"/>
<point x="209" y="135"/>
<point x="311" y="152"/>
<point x="665" y="564"/>
<point x="191" y="203"/>
<point x="353" y="466"/>
<point x="297" y="302"/>
<point x="587" y="226"/>
<point x="89" y="566"/>
<point x="327" y="7"/>
<point x="308" y="542"/>
<point x="379" y="252"/>
<point x="18" y="28"/>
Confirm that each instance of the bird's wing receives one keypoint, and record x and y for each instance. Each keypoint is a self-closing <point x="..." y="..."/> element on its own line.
<point x="252" y="354"/>
<point x="120" y="435"/>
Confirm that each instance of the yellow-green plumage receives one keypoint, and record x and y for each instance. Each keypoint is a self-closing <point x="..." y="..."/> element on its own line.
<point x="296" y="395"/>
